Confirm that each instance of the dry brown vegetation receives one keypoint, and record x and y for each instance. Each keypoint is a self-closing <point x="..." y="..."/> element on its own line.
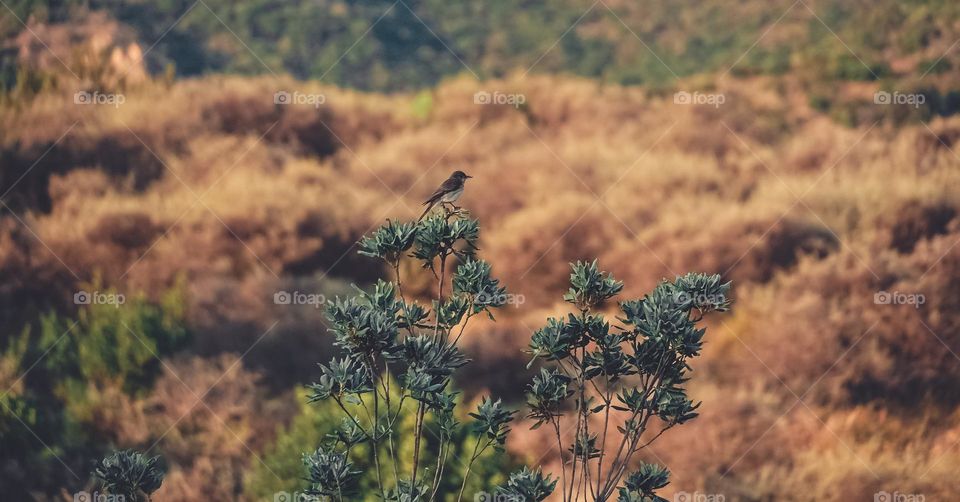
<point x="209" y="180"/>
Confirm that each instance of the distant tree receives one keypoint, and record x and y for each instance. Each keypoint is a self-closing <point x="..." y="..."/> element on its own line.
<point x="383" y="334"/>
<point x="73" y="371"/>
<point x="630" y="374"/>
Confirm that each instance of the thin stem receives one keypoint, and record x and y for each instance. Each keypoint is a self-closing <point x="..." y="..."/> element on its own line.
<point x="620" y="464"/>
<point x="473" y="458"/>
<point x="574" y="480"/>
<point x="347" y="413"/>
<point x="584" y="429"/>
<point x="589" y="484"/>
<point x="416" y="447"/>
<point x="645" y="384"/>
<point x="339" y="491"/>
<point x="396" y="274"/>
<point x="396" y="415"/>
<point x="466" y="474"/>
<point x="376" y="447"/>
<point x="463" y="327"/>
<point x="573" y="462"/>
<point x="373" y="438"/>
<point x="443" y="267"/>
<point x="421" y="409"/>
<point x="644" y="445"/>
<point x="393" y="456"/>
<point x="563" y="465"/>
<point x="403" y="298"/>
<point x="441" y="457"/>
<point x="603" y="438"/>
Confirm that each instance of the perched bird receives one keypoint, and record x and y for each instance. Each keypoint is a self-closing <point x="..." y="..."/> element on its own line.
<point x="448" y="192"/>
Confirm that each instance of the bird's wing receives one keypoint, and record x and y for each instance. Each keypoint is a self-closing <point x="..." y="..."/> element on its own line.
<point x="448" y="186"/>
<point x="434" y="197"/>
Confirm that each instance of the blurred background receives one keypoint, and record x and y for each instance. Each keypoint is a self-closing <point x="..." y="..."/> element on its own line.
<point x="179" y="177"/>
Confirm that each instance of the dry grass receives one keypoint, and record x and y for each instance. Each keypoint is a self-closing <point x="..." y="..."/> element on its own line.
<point x="810" y="219"/>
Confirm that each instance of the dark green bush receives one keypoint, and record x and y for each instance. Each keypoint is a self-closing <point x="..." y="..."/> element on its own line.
<point x="636" y="371"/>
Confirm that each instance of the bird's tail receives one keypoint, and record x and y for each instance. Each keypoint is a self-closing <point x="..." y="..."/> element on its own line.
<point x="425" y="211"/>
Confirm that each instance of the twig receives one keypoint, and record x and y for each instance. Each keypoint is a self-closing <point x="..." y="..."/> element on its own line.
<point x="563" y="465"/>
<point x="421" y="408"/>
<point x="603" y="439"/>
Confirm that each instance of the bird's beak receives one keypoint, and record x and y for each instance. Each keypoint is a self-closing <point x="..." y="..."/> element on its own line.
<point x="468" y="176"/>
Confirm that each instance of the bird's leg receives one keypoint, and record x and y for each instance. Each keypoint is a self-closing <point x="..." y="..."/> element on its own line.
<point x="452" y="209"/>
<point x="461" y="212"/>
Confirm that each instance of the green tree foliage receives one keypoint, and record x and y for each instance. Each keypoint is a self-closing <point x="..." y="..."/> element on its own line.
<point x="628" y="375"/>
<point x="62" y="369"/>
<point x="382" y="334"/>
<point x="385" y="45"/>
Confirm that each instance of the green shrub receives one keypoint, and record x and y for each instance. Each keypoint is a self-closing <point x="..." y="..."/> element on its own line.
<point x="64" y="365"/>
<point x="637" y="371"/>
<point x="383" y="334"/>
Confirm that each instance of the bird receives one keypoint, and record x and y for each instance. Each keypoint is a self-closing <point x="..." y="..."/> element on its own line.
<point x="448" y="192"/>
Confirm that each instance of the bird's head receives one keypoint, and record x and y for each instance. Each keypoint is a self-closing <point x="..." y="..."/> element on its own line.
<point x="460" y="175"/>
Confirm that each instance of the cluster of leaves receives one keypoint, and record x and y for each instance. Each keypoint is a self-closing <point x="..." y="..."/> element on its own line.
<point x="527" y="485"/>
<point x="383" y="335"/>
<point x="129" y="474"/>
<point x="635" y="371"/>
<point x="331" y="474"/>
<point x="641" y="485"/>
